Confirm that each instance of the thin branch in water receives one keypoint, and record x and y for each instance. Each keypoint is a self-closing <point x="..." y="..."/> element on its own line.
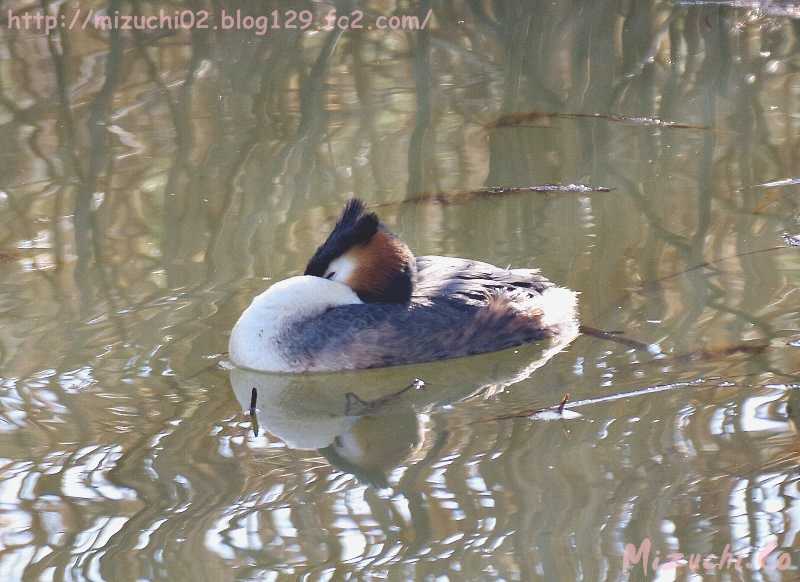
<point x="615" y="336"/>
<point x="580" y="188"/>
<point x="545" y="413"/>
<point x="705" y="264"/>
<point x="779" y="183"/>
<point x="356" y="406"/>
<point x="530" y="118"/>
<point x="566" y="406"/>
<point x="563" y="403"/>
<point x="463" y="196"/>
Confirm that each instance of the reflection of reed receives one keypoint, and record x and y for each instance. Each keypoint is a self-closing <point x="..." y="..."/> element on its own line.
<point x="247" y="144"/>
<point x="88" y="239"/>
<point x="417" y="146"/>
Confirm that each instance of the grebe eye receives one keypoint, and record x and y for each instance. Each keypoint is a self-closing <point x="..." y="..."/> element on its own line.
<point x="330" y="275"/>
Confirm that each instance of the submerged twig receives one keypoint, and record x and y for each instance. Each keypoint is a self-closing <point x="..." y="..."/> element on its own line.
<point x="779" y="183"/>
<point x="614" y="336"/>
<point x="696" y="355"/>
<point x="557" y="410"/>
<point x="492" y="190"/>
<point x="462" y="196"/>
<point x="705" y="264"/>
<point x="563" y="403"/>
<point x="356" y="406"/>
<point x="550" y="412"/>
<point x="523" y="119"/>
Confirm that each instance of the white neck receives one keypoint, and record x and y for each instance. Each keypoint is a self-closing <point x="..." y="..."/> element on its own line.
<point x="252" y="342"/>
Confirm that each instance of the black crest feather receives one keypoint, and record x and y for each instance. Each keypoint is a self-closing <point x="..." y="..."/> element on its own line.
<point x="354" y="227"/>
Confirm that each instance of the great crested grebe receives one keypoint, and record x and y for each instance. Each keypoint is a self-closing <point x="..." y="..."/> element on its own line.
<point x="365" y="301"/>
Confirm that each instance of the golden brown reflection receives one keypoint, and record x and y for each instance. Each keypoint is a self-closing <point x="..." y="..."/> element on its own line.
<point x="152" y="182"/>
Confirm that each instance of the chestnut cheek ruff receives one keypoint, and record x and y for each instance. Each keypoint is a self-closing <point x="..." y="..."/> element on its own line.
<point x="385" y="272"/>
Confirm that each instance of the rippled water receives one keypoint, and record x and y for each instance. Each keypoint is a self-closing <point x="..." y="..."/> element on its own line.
<point x="152" y="182"/>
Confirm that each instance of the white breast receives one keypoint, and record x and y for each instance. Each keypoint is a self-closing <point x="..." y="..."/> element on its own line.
<point x="254" y="340"/>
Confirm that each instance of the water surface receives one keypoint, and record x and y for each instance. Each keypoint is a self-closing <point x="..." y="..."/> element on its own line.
<point x="152" y="182"/>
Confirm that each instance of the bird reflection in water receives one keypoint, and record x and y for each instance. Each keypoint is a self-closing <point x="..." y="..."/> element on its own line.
<point x="360" y="422"/>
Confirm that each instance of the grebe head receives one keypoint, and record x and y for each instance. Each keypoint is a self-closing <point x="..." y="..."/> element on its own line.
<point x="361" y="253"/>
